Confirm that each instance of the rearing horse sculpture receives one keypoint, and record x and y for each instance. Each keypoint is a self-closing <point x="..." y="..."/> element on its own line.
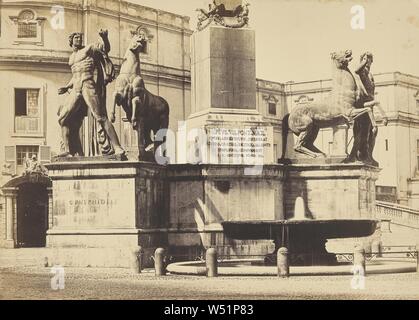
<point x="341" y="107"/>
<point x="146" y="111"/>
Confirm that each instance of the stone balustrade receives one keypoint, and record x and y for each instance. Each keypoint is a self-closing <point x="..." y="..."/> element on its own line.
<point x="397" y="213"/>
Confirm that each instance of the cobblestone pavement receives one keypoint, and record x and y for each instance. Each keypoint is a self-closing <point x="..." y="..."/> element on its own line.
<point x="89" y="283"/>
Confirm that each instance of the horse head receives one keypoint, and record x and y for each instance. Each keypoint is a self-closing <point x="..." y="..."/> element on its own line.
<point x="341" y="59"/>
<point x="138" y="42"/>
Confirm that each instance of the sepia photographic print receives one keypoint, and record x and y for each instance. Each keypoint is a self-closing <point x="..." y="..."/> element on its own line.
<point x="217" y="151"/>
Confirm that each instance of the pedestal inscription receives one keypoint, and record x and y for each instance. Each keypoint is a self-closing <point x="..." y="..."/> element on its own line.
<point x="239" y="145"/>
<point x="98" y="203"/>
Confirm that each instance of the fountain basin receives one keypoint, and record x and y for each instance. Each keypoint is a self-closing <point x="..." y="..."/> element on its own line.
<point x="246" y="267"/>
<point x="305" y="238"/>
<point x="318" y="228"/>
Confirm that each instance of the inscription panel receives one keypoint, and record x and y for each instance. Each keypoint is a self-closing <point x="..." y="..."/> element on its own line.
<point x="94" y="203"/>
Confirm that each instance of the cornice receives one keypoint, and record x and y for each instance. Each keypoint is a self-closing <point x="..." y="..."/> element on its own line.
<point x="92" y="8"/>
<point x="40" y="63"/>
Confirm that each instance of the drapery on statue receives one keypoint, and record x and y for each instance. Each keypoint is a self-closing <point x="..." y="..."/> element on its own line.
<point x="217" y="12"/>
<point x="92" y="70"/>
<point x="339" y="108"/>
<point x="363" y="131"/>
<point x="147" y="112"/>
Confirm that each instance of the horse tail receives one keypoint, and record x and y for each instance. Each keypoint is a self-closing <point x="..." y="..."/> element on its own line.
<point x="285" y="129"/>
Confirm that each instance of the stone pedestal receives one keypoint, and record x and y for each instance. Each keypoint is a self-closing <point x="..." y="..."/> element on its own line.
<point x="223" y="69"/>
<point x="224" y="126"/>
<point x="103" y="213"/>
<point x="332" y="191"/>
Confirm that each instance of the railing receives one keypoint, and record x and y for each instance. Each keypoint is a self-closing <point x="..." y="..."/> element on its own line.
<point x="398" y="214"/>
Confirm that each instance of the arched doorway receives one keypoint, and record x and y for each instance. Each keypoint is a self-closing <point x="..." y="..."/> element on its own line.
<point x="27" y="210"/>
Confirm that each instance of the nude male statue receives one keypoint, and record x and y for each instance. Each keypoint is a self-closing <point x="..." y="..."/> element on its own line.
<point x="87" y="93"/>
<point x="364" y="132"/>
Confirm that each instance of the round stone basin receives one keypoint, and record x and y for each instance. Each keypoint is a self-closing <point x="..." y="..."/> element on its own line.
<point x="247" y="267"/>
<point x="307" y="228"/>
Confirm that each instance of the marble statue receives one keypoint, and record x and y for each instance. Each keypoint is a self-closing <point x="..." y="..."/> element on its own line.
<point x="147" y="112"/>
<point x="91" y="71"/>
<point x="364" y="132"/>
<point x="337" y="109"/>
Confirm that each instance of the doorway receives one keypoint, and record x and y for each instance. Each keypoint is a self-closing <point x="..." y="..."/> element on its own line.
<point x="32" y="215"/>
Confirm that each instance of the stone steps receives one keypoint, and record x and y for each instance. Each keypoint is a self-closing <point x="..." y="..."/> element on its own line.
<point x="400" y="235"/>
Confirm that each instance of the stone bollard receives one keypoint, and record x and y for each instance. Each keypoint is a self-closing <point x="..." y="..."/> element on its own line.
<point x="367" y="247"/>
<point x="282" y="262"/>
<point x="159" y="262"/>
<point x="377" y="248"/>
<point x="359" y="259"/>
<point x="137" y="263"/>
<point x="211" y="263"/>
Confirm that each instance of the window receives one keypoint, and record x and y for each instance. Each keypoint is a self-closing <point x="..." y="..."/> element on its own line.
<point x="386" y="193"/>
<point x="271" y="104"/>
<point x="25" y="152"/>
<point x="28" y="27"/>
<point x="27" y="111"/>
<point x="15" y="157"/>
<point x="26" y="30"/>
<point x="272" y="108"/>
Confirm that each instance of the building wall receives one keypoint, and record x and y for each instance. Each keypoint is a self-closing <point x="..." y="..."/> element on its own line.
<point x="272" y="93"/>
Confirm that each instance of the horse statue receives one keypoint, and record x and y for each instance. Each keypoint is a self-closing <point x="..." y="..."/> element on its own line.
<point x="341" y="107"/>
<point x="147" y="112"/>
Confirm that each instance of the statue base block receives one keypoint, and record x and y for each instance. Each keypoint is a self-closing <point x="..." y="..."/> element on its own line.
<point x="105" y="213"/>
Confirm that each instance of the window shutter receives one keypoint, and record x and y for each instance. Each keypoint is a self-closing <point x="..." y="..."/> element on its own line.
<point x="10" y="160"/>
<point x="45" y="154"/>
<point x="10" y="153"/>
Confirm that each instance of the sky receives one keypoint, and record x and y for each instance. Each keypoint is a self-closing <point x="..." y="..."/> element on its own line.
<point x="294" y="38"/>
